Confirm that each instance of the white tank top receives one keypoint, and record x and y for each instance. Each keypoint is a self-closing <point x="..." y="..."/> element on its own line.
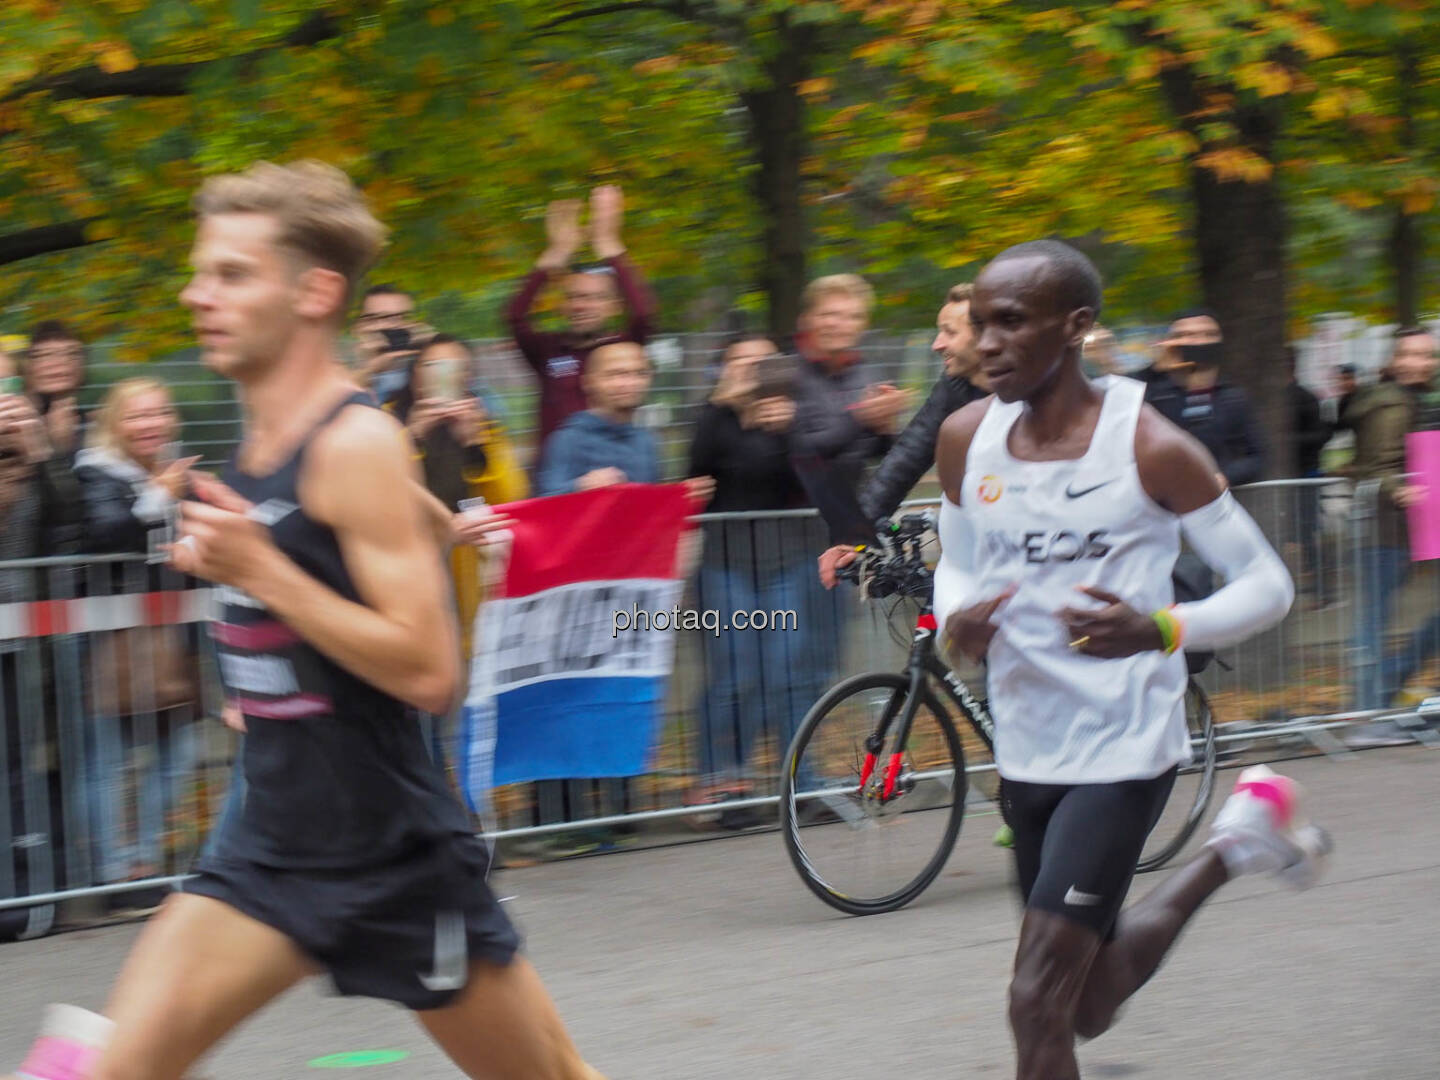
<point x="1062" y="717"/>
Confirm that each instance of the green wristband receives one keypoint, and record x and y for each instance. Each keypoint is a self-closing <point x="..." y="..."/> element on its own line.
<point x="1169" y="630"/>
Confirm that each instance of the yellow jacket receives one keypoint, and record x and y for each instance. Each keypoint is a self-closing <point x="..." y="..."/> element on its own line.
<point x="501" y="481"/>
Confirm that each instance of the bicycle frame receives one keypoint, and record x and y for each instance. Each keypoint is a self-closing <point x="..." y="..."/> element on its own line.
<point x="922" y="663"/>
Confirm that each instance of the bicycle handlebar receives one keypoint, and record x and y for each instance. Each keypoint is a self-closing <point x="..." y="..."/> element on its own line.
<point x="894" y="565"/>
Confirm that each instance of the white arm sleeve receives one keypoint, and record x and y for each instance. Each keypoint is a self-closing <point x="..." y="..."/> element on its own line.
<point x="955" y="579"/>
<point x="1258" y="590"/>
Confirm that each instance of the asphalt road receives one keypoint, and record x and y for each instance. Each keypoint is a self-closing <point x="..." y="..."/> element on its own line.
<point x="710" y="961"/>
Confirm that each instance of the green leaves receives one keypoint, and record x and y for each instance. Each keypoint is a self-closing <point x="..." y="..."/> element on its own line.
<point x="933" y="133"/>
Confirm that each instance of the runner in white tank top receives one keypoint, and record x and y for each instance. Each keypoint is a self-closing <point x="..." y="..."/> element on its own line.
<point x="1065" y="504"/>
<point x="1049" y="527"/>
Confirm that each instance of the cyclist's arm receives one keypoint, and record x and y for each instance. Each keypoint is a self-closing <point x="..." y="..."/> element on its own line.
<point x="1179" y="474"/>
<point x="909" y="459"/>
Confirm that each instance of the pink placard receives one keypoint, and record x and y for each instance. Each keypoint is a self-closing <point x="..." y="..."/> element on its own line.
<point x="1422" y="460"/>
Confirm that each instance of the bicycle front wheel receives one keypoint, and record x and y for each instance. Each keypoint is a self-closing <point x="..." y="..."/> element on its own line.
<point x="857" y="848"/>
<point x="1194" y="787"/>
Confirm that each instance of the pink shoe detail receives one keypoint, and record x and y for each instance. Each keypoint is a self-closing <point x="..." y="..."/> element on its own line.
<point x="53" y="1058"/>
<point x="1278" y="791"/>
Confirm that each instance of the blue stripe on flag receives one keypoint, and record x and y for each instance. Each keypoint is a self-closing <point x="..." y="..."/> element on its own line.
<point x="565" y="728"/>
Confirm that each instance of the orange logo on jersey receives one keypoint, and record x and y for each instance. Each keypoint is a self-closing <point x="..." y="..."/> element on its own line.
<point x="990" y="488"/>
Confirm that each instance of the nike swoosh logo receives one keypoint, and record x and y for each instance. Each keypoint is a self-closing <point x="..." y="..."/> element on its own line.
<point x="1086" y="491"/>
<point x="1075" y="898"/>
<point x="452" y="954"/>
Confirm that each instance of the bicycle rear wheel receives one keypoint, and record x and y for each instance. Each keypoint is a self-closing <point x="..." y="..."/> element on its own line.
<point x="859" y="852"/>
<point x="1194" y="787"/>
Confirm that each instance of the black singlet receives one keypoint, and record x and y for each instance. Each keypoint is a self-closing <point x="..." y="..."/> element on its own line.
<point x="337" y="773"/>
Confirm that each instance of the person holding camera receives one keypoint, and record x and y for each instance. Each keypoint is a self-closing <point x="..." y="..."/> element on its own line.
<point x="464" y="453"/>
<point x="387" y="341"/>
<point x="40" y="504"/>
<point x="54" y="373"/>
<point x="758" y="683"/>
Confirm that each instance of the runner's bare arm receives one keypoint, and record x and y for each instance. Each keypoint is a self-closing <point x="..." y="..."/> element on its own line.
<point x="1175" y="468"/>
<point x="439" y="522"/>
<point x="1179" y="474"/>
<point x="966" y="619"/>
<point x="402" y="639"/>
<point x="953" y="446"/>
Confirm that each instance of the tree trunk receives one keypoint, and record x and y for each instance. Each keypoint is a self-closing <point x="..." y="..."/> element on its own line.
<point x="1405" y="249"/>
<point x="779" y="143"/>
<point x="1406" y="243"/>
<point x="1240" y="242"/>
<point x="1239" y="236"/>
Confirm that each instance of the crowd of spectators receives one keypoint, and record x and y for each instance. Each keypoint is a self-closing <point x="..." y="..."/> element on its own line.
<point x="788" y="424"/>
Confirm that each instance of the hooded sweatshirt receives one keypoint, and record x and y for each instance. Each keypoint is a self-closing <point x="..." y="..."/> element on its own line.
<point x="587" y="441"/>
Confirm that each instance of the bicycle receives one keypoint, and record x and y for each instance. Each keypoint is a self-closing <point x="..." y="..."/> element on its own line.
<point x="844" y="798"/>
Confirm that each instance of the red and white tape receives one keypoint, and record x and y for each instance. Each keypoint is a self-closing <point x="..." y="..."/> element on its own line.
<point x="91" y="614"/>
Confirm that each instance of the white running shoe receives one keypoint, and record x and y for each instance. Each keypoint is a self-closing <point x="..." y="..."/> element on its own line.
<point x="71" y="1041"/>
<point x="1260" y="829"/>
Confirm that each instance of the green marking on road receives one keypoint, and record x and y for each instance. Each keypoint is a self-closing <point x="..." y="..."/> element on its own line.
<point x="359" y="1059"/>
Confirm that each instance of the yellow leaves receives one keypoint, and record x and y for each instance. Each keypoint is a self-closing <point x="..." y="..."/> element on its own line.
<point x="1358" y="199"/>
<point x="658" y="65"/>
<point x="1270" y="79"/>
<point x="1418" y="196"/>
<point x="1236" y="163"/>
<point x="1315" y="42"/>
<point x="440" y="16"/>
<point x="816" y="89"/>
<point x="114" y="56"/>
<point x="1330" y="105"/>
<point x="412" y="103"/>
<point x="1059" y="19"/>
<point x="104" y="229"/>
<point x="913" y="140"/>
<point x="1144" y="65"/>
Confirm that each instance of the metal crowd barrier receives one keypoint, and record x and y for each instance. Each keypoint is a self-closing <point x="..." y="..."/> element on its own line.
<point x="114" y="765"/>
<point x="109" y="773"/>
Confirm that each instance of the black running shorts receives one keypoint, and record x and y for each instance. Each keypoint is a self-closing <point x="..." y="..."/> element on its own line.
<point x="405" y="932"/>
<point x="1076" y="846"/>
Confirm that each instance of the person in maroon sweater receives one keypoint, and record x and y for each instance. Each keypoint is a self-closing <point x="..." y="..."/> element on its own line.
<point x="592" y="301"/>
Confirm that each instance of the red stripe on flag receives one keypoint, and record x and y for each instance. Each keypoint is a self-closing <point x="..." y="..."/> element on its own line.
<point x="627" y="531"/>
<point x="49" y="617"/>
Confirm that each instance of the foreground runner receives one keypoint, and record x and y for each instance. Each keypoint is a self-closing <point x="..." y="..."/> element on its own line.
<point x="1064" y="505"/>
<point x="350" y="855"/>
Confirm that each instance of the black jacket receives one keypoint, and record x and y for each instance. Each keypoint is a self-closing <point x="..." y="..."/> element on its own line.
<point x="824" y="428"/>
<point x="1162" y="392"/>
<point x="751" y="467"/>
<point x="125" y="512"/>
<point x="1221" y="418"/>
<point x="914" y="449"/>
<point x="1311" y="432"/>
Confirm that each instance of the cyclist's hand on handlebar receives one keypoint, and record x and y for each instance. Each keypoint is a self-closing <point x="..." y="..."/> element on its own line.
<point x="970" y="629"/>
<point x="1112" y="631"/>
<point x="834" y="558"/>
